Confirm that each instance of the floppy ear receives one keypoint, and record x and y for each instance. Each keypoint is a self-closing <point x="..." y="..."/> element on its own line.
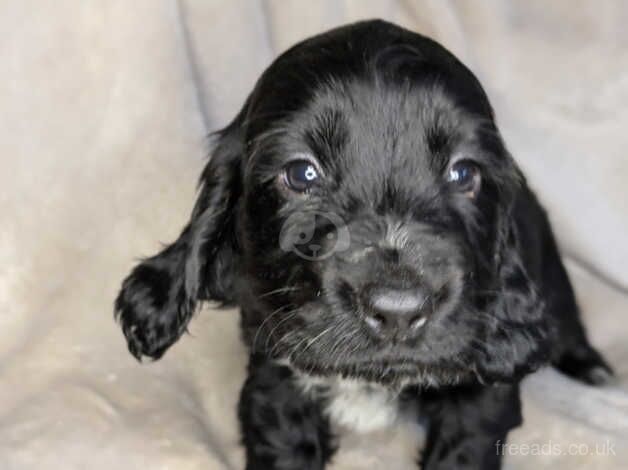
<point x="160" y="295"/>
<point x="517" y="338"/>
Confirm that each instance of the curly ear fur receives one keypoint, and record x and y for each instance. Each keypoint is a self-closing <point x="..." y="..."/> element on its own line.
<point x="517" y="338"/>
<point x="160" y="295"/>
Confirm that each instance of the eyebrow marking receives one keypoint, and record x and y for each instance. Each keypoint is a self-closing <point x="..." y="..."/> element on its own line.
<point x="328" y="134"/>
<point x="437" y="139"/>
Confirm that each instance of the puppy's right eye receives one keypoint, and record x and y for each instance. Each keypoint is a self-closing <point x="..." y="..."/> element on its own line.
<point x="300" y="175"/>
<point x="466" y="177"/>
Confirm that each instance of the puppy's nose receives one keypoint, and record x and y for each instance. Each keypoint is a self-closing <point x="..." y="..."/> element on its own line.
<point x="393" y="312"/>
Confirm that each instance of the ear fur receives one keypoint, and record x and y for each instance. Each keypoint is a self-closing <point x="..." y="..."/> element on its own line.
<point x="160" y="295"/>
<point x="516" y="340"/>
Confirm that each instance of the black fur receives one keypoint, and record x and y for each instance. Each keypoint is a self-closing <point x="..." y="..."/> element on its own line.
<point x="382" y="114"/>
<point x="283" y="429"/>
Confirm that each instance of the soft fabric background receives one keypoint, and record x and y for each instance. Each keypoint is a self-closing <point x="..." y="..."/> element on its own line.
<point x="104" y="112"/>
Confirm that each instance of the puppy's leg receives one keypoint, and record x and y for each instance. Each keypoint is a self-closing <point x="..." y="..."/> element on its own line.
<point x="282" y="429"/>
<point x="467" y="427"/>
<point x="574" y="354"/>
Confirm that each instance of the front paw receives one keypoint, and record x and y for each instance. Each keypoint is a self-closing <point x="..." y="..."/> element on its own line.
<point x="586" y="365"/>
<point x="282" y="429"/>
<point x="303" y="457"/>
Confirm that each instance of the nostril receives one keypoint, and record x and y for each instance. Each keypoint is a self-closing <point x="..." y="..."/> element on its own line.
<point x="376" y="321"/>
<point x="390" y="311"/>
<point x="417" y="322"/>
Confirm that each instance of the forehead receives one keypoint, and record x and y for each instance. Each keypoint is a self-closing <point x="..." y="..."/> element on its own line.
<point x="346" y="124"/>
<point x="376" y="121"/>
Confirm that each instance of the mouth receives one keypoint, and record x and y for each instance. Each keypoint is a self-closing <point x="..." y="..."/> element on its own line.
<point x="391" y="369"/>
<point x="429" y="357"/>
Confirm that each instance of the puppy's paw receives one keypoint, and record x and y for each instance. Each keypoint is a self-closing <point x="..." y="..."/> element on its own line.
<point x="586" y="365"/>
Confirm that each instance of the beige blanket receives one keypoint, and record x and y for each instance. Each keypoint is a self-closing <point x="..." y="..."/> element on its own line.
<point x="104" y="109"/>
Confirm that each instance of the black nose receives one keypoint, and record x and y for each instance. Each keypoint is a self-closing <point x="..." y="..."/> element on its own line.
<point x="394" y="312"/>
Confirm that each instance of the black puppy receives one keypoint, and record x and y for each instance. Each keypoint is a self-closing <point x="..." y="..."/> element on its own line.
<point x="383" y="247"/>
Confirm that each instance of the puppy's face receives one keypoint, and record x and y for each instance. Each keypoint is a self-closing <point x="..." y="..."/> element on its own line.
<point x="357" y="210"/>
<point x="364" y="226"/>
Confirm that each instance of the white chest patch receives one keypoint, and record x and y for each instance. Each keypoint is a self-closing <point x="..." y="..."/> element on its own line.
<point x="360" y="406"/>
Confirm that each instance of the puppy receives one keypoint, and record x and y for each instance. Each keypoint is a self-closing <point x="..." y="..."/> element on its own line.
<point x="382" y="245"/>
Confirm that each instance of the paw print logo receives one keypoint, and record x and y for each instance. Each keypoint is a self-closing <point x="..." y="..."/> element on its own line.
<point x="298" y="231"/>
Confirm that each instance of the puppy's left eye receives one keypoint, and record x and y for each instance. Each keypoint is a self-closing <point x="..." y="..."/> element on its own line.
<point x="300" y="175"/>
<point x="465" y="176"/>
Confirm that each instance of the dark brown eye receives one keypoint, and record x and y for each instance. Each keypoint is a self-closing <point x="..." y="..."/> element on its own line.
<point x="465" y="177"/>
<point x="300" y="175"/>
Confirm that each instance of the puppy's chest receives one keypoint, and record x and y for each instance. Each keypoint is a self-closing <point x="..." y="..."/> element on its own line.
<point x="359" y="406"/>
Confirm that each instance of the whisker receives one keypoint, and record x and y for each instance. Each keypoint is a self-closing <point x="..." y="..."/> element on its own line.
<point x="316" y="338"/>
<point x="289" y="314"/>
<point x="259" y="328"/>
<point x="281" y="290"/>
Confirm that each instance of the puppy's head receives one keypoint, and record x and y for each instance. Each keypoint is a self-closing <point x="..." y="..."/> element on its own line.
<point x="358" y="210"/>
